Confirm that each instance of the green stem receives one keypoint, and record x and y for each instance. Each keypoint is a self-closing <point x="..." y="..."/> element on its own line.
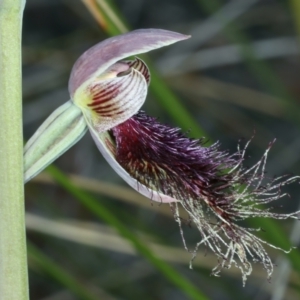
<point x="13" y="256"/>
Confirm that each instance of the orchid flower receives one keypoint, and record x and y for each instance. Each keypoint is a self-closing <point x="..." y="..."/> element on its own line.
<point x="107" y="92"/>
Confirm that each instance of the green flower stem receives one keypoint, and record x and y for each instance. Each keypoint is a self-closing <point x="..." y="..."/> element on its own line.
<point x="13" y="255"/>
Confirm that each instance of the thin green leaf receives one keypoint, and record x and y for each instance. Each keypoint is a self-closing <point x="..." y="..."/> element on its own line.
<point x="295" y="9"/>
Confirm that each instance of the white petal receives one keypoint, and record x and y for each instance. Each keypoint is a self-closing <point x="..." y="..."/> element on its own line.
<point x="114" y="100"/>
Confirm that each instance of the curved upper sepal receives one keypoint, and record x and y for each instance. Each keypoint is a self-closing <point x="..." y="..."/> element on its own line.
<point x="100" y="57"/>
<point x="106" y="146"/>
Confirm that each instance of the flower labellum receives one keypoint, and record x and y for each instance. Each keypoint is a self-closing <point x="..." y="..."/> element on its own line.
<point x="157" y="160"/>
<point x="212" y="185"/>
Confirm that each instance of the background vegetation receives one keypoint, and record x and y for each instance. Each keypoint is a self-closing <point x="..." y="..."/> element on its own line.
<point x="92" y="237"/>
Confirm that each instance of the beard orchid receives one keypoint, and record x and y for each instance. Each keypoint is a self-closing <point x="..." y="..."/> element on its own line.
<point x="213" y="186"/>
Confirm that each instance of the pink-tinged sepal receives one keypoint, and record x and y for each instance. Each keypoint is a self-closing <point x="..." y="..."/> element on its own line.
<point x="100" y="57"/>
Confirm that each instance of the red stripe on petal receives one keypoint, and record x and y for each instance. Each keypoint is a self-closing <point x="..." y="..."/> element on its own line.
<point x="111" y="115"/>
<point x="140" y="66"/>
<point x="116" y="99"/>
